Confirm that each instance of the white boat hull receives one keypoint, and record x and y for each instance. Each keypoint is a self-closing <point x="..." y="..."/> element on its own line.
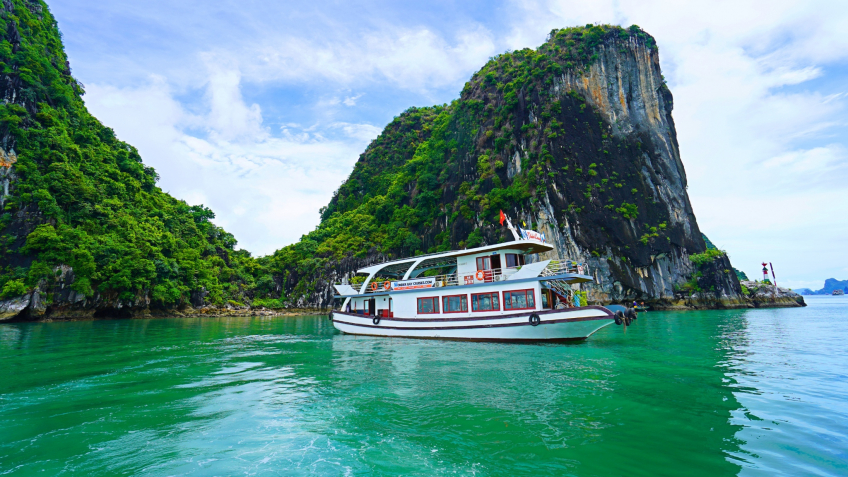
<point x="554" y="325"/>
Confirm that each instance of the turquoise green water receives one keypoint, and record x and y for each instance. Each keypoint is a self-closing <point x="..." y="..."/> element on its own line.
<point x="754" y="392"/>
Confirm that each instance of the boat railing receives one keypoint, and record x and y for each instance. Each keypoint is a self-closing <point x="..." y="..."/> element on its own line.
<point x="449" y="280"/>
<point x="558" y="267"/>
<point x="555" y="267"/>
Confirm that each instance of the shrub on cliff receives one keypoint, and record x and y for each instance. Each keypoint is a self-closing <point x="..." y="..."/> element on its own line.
<point x="700" y="259"/>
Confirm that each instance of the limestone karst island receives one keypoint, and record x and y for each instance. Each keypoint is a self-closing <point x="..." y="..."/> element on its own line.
<point x="574" y="139"/>
<point x="513" y="282"/>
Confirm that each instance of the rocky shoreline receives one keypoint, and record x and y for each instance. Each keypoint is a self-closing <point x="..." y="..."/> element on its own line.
<point x="147" y="313"/>
<point x="11" y="311"/>
<point x="753" y="295"/>
<point x="715" y="287"/>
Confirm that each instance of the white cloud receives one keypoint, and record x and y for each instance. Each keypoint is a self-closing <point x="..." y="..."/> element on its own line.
<point x="409" y="58"/>
<point x="229" y="117"/>
<point x="351" y="100"/>
<point x="266" y="190"/>
<point x="365" y="132"/>
<point x="819" y="163"/>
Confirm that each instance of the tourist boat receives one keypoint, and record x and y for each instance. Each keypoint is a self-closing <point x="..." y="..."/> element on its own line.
<point x="490" y="293"/>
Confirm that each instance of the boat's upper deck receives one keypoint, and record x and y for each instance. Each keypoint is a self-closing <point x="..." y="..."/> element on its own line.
<point x="491" y="263"/>
<point x="416" y="265"/>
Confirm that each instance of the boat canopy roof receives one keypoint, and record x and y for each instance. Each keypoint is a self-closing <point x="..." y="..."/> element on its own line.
<point x="400" y="268"/>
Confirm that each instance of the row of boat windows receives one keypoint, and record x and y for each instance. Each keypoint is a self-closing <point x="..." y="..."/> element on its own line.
<point x="512" y="300"/>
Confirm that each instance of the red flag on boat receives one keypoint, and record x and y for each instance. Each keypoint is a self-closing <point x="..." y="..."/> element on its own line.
<point x="503" y="217"/>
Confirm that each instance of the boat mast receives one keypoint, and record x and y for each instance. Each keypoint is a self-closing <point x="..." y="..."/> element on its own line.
<point x="511" y="228"/>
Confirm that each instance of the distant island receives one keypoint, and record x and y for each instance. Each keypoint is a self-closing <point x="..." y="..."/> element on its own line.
<point x="830" y="285"/>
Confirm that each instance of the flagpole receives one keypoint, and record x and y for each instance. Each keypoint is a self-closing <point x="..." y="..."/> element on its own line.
<point x="774" y="294"/>
<point x="508" y="225"/>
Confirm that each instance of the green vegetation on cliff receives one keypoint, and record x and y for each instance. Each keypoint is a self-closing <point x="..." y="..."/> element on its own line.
<point x="436" y="178"/>
<point x="81" y="203"/>
<point x="80" y="197"/>
<point x="740" y="275"/>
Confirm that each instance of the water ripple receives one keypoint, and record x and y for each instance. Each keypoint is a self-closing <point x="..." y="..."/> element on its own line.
<point x="740" y="392"/>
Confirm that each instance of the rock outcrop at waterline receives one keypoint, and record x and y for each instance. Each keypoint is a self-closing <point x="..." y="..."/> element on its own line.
<point x="766" y="295"/>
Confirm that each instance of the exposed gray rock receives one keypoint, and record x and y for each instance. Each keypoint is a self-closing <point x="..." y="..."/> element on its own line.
<point x="766" y="295"/>
<point x="625" y="86"/>
<point x="12" y="307"/>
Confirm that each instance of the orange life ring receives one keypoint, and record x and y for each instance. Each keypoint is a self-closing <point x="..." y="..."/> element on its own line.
<point x="374" y="286"/>
<point x="387" y="284"/>
<point x="481" y="275"/>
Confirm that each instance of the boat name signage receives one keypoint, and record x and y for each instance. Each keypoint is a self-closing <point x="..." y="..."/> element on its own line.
<point x="533" y="235"/>
<point x="413" y="284"/>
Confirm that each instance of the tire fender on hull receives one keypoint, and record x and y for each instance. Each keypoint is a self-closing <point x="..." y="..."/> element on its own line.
<point x="619" y="317"/>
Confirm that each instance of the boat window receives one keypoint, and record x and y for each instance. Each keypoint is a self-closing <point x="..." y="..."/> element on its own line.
<point x="484" y="263"/>
<point x="519" y="300"/>
<point x="485" y="302"/>
<point x="428" y="305"/>
<point x="455" y="303"/>
<point x="514" y="260"/>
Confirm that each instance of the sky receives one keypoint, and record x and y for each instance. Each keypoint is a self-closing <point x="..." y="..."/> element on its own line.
<point x="259" y="110"/>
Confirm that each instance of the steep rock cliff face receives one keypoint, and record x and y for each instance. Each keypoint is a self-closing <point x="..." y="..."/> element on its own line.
<point x="575" y="138"/>
<point x="625" y="87"/>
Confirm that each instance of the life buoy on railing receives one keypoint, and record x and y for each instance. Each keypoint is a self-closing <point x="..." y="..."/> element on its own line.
<point x="374" y="286"/>
<point x="481" y="275"/>
<point x="387" y="284"/>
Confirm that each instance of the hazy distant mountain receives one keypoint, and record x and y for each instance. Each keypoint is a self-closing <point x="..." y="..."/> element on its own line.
<point x="830" y="285"/>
